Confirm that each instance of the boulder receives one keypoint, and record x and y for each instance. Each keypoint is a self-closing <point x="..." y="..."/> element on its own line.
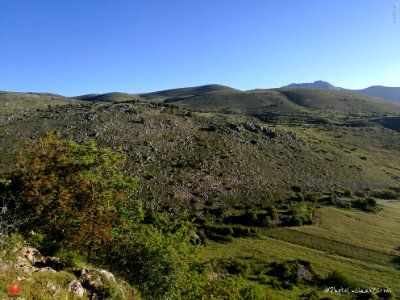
<point x="76" y="288"/>
<point x="31" y="254"/>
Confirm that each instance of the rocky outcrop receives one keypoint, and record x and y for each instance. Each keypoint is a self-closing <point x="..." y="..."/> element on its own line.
<point x="89" y="283"/>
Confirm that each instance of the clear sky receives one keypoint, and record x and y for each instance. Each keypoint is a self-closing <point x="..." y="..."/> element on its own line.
<point x="75" y="47"/>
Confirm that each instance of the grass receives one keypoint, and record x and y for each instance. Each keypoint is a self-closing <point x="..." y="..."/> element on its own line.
<point x="289" y="101"/>
<point x="265" y="250"/>
<point x="331" y="246"/>
<point x="46" y="283"/>
<point x="39" y="285"/>
<point x="17" y="103"/>
<point x="363" y="246"/>
<point x="378" y="232"/>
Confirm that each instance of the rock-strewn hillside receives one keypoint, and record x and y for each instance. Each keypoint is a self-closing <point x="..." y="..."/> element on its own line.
<point x="187" y="157"/>
<point x="29" y="275"/>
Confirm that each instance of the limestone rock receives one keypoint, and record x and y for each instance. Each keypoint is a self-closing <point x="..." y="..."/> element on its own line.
<point x="31" y="254"/>
<point x="76" y="287"/>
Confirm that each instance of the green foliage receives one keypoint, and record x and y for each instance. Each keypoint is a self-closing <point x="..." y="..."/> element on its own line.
<point x="83" y="206"/>
<point x="9" y="243"/>
<point x="386" y="194"/>
<point x="312" y="295"/>
<point x="156" y="258"/>
<point x="272" y="212"/>
<point x="232" y="266"/>
<point x="301" y="213"/>
<point x="230" y="287"/>
<point x="72" y="191"/>
<point x="71" y="260"/>
<point x="242" y="231"/>
<point x="218" y="233"/>
<point x="339" y="280"/>
<point x="291" y="272"/>
<point x="331" y="246"/>
<point x="369" y="204"/>
<point x="348" y="193"/>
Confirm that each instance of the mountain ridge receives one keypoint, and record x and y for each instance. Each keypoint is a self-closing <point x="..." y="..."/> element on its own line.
<point x="379" y="91"/>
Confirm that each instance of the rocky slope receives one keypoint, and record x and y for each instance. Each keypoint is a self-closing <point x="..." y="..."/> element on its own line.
<point x="27" y="274"/>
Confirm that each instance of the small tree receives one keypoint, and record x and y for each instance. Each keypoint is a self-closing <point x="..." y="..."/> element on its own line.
<point x="72" y="191"/>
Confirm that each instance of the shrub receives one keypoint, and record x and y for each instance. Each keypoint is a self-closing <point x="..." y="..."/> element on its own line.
<point x="348" y="193"/>
<point x="156" y="259"/>
<point x="296" y="189"/>
<point x="272" y="212"/>
<point x="369" y="204"/>
<point x="71" y="191"/>
<point x="386" y="194"/>
<point x="300" y="213"/>
<point x="242" y="231"/>
<point x="288" y="271"/>
<point x="218" y="233"/>
<point x="231" y="287"/>
<point x="339" y="280"/>
<point x="312" y="295"/>
<point x="232" y="266"/>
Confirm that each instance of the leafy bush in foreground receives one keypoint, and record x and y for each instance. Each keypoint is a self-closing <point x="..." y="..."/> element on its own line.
<point x="82" y="204"/>
<point x="71" y="192"/>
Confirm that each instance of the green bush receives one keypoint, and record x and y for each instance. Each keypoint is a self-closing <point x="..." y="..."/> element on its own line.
<point x="339" y="280"/>
<point x="218" y="233"/>
<point x="348" y="193"/>
<point x="369" y="204"/>
<point x="70" y="192"/>
<point x="242" y="231"/>
<point x="70" y="259"/>
<point x="231" y="287"/>
<point x="288" y="271"/>
<point x="229" y="265"/>
<point x="272" y="212"/>
<point x="386" y="194"/>
<point x="157" y="259"/>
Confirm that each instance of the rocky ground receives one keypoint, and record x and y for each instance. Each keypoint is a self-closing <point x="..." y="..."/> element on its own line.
<point x="27" y="273"/>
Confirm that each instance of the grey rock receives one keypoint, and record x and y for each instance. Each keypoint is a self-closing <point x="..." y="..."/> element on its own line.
<point x="76" y="287"/>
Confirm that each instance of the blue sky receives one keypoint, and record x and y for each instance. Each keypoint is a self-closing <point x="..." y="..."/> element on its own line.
<point x="85" y="46"/>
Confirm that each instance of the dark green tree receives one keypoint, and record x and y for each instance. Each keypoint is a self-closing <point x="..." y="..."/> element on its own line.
<point x="72" y="191"/>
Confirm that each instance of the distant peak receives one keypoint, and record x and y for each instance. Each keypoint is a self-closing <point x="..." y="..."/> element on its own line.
<point x="318" y="84"/>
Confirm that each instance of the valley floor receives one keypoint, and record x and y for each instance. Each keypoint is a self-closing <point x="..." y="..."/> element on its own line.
<point x="372" y="241"/>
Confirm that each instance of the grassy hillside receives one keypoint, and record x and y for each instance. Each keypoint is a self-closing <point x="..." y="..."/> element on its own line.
<point x="360" y="245"/>
<point x="155" y="96"/>
<point x="384" y="92"/>
<point x="185" y="92"/>
<point x="288" y="101"/>
<point x="108" y="97"/>
<point x="184" y="157"/>
<point x="263" y="251"/>
<point x="17" y="103"/>
<point x="317" y="99"/>
<point x="380" y="230"/>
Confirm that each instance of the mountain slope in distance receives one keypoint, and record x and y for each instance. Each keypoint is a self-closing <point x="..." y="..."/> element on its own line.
<point x="186" y="92"/>
<point x="13" y="102"/>
<point x="384" y="92"/>
<point x="157" y="96"/>
<point x="287" y="100"/>
<point x="319" y="84"/>
<point x="108" y="97"/>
